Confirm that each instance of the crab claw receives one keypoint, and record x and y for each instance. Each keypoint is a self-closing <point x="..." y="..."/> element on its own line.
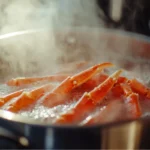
<point x="100" y="92"/>
<point x="87" y="102"/>
<point x="71" y="83"/>
<point x="76" y="80"/>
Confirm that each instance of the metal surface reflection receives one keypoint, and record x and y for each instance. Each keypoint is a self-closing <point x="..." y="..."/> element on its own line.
<point x="126" y="136"/>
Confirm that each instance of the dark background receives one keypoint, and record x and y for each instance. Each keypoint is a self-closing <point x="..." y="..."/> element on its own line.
<point x="135" y="17"/>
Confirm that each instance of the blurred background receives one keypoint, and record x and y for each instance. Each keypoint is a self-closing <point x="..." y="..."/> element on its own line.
<point x="31" y="14"/>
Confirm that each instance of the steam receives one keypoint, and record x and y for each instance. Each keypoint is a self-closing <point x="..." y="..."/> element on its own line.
<point x="74" y="34"/>
<point x="27" y="54"/>
<point x="23" y="15"/>
<point x="30" y="14"/>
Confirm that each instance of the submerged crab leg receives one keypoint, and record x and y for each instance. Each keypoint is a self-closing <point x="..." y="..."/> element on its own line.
<point x="31" y="80"/>
<point x="77" y="93"/>
<point x="132" y="101"/>
<point x="8" y="97"/>
<point x="89" y="100"/>
<point x="53" y="98"/>
<point x="28" y="98"/>
<point x="109" y="113"/>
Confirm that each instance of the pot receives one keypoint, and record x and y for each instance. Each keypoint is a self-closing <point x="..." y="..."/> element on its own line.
<point x="48" y="48"/>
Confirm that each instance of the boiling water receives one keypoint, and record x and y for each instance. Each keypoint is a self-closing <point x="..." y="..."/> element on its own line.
<point x="41" y="112"/>
<point x="37" y="111"/>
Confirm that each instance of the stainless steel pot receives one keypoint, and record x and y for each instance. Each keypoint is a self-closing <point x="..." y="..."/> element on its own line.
<point x="126" y="50"/>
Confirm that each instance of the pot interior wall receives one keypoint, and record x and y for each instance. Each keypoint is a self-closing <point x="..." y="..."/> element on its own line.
<point x="42" y="52"/>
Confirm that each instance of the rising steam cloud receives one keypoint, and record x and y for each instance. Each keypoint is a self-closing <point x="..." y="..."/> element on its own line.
<point x="26" y="54"/>
<point x="22" y="15"/>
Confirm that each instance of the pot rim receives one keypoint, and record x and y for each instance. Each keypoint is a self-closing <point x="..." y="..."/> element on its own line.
<point x="128" y="34"/>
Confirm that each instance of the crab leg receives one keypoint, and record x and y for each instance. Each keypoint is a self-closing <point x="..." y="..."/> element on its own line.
<point x="117" y="90"/>
<point x="25" y="81"/>
<point x="89" y="100"/>
<point x="102" y="115"/>
<point x="135" y="85"/>
<point x="132" y="101"/>
<point x="139" y="88"/>
<point x="70" y="83"/>
<point x="28" y="98"/>
<point x="26" y="95"/>
<point x="87" y="86"/>
<point x="8" y="97"/>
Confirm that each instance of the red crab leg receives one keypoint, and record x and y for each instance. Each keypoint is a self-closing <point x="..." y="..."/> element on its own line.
<point x="8" y="97"/>
<point x="139" y="88"/>
<point x="25" y="81"/>
<point x="95" y="81"/>
<point x="75" y="94"/>
<point x="132" y="101"/>
<point x="117" y="90"/>
<point x="28" y="98"/>
<point x="89" y="100"/>
<point x="26" y="95"/>
<point x="87" y="86"/>
<point x="58" y="95"/>
<point x="135" y="85"/>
